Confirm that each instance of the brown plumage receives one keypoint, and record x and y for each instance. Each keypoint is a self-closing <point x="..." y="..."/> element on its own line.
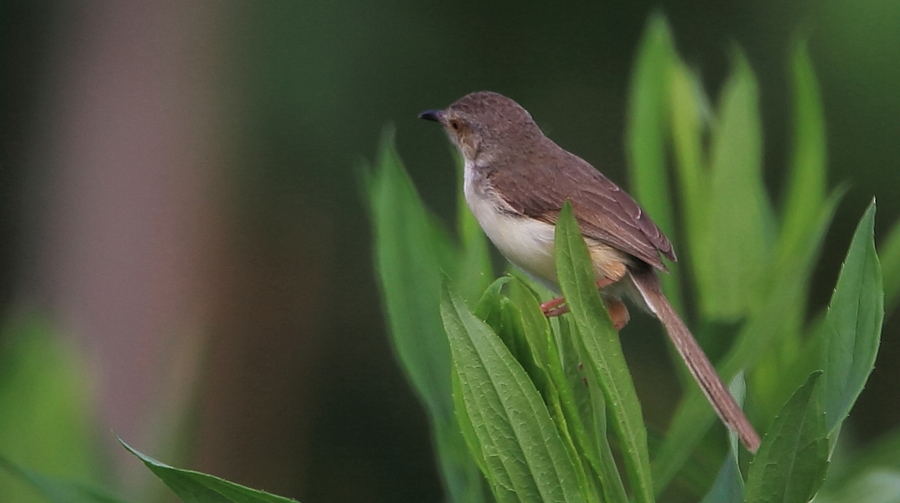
<point x="516" y="182"/>
<point x="603" y="210"/>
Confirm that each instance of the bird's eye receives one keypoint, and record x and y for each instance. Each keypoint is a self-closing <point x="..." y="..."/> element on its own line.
<point x="454" y="124"/>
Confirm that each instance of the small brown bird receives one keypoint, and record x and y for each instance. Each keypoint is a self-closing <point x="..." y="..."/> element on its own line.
<point x="516" y="182"/>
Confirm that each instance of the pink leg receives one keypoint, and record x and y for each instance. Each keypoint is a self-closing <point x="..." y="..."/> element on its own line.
<point x="559" y="311"/>
<point x="556" y="307"/>
<point x="618" y="312"/>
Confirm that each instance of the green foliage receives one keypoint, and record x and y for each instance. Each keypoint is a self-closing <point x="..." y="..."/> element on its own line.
<point x="534" y="399"/>
<point x="735" y="233"/>
<point x="526" y="409"/>
<point x="743" y="262"/>
<point x="411" y="251"/>
<point x="525" y="458"/>
<point x="729" y="484"/>
<point x="793" y="457"/>
<point x="601" y="346"/>
<point x="45" y="412"/>
<point x="852" y="327"/>
<point x="890" y="267"/>
<point x="196" y="487"/>
<point x="57" y="489"/>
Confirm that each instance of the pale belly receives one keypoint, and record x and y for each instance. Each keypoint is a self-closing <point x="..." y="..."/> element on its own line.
<point x="529" y="243"/>
<point x="525" y="242"/>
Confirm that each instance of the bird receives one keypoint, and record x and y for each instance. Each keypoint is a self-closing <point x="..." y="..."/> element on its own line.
<point x="516" y="182"/>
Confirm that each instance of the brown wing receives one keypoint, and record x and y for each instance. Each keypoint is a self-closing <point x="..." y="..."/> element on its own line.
<point x="603" y="210"/>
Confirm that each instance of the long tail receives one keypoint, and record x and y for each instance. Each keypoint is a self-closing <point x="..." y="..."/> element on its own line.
<point x="647" y="284"/>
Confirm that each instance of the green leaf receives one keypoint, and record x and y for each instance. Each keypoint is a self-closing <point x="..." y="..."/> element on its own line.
<point x="646" y="134"/>
<point x="578" y="393"/>
<point x="806" y="184"/>
<point x="807" y="213"/>
<point x="646" y="116"/>
<point x="589" y="421"/>
<point x="853" y="324"/>
<point x="411" y="249"/>
<point x="528" y="347"/>
<point x="740" y="218"/>
<point x="525" y="457"/>
<point x="785" y="361"/>
<point x="694" y="417"/>
<point x="467" y="429"/>
<point x="196" y="487"/>
<point x="46" y="407"/>
<point x="57" y="489"/>
<point x="762" y="335"/>
<point x="793" y="457"/>
<point x="728" y="486"/>
<point x="889" y="252"/>
<point x="534" y="325"/>
<point x="688" y="117"/>
<point x="687" y="128"/>
<point x="600" y="343"/>
<point x="490" y="309"/>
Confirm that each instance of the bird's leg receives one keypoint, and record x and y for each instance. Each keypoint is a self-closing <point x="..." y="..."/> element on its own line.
<point x="557" y="307"/>
<point x="618" y="313"/>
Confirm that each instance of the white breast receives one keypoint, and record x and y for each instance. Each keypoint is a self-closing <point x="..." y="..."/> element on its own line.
<point x="525" y="242"/>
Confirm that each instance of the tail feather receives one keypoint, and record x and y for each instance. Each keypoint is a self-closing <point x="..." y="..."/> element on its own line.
<point x="647" y="283"/>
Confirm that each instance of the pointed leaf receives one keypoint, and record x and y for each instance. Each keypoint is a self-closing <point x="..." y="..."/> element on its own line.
<point x="793" y="457"/>
<point x="785" y="361"/>
<point x="58" y="489"/>
<point x="524" y="454"/>
<point x="740" y="216"/>
<point x="196" y="487"/>
<point x="580" y="397"/>
<point x="806" y="184"/>
<point x="853" y="324"/>
<point x="590" y="411"/>
<point x="411" y="249"/>
<point x="646" y="116"/>
<point x="535" y="325"/>
<point x="687" y="126"/>
<point x="601" y="343"/>
<point x="889" y="253"/>
<point x="646" y="134"/>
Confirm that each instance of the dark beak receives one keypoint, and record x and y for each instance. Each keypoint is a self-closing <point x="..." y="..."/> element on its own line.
<point x="432" y="115"/>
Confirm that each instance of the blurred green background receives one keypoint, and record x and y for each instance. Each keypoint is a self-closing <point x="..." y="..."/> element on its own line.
<point x="185" y="256"/>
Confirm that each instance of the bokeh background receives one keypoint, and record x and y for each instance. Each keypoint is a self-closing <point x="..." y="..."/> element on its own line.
<point x="181" y="218"/>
